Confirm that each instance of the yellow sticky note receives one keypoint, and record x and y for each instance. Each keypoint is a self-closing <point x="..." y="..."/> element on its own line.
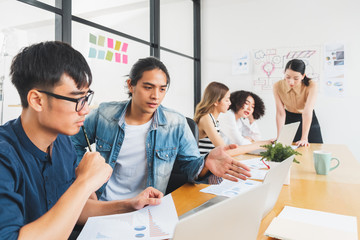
<point x="117" y="45"/>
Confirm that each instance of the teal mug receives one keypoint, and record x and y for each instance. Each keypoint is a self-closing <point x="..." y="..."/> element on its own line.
<point x="322" y="162"/>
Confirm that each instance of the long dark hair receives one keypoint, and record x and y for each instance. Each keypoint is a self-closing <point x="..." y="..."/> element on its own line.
<point x="298" y="65"/>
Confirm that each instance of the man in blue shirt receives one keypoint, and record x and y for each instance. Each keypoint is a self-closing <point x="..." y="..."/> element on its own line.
<point x="156" y="137"/>
<point x="42" y="195"/>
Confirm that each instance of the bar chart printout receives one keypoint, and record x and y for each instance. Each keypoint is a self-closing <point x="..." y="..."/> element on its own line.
<point x="152" y="222"/>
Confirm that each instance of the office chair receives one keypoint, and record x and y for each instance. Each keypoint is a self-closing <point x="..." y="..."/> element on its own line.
<point x="177" y="178"/>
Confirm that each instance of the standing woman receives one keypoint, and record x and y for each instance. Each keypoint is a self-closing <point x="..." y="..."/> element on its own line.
<point x="216" y="100"/>
<point x="295" y="98"/>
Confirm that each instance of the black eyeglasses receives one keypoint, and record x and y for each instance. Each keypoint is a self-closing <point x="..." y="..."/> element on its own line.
<point x="80" y="102"/>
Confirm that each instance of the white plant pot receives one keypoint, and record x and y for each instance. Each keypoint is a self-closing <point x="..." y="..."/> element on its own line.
<point x="287" y="179"/>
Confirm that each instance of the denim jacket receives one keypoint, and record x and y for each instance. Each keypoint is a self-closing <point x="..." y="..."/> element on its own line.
<point x="169" y="139"/>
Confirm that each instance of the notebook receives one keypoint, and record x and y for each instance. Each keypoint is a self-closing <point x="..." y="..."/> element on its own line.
<point x="238" y="217"/>
<point x="286" y="136"/>
<point x="298" y="223"/>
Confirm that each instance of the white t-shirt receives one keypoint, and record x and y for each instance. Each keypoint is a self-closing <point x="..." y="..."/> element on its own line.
<point x="235" y="131"/>
<point x="130" y="172"/>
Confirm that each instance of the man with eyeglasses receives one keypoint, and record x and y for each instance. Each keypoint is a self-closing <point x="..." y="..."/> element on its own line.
<point x="42" y="195"/>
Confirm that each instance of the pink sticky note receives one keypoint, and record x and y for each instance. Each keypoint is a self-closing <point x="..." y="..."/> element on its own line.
<point x="124" y="47"/>
<point x="117" y="57"/>
<point x="110" y="43"/>
<point x="125" y="59"/>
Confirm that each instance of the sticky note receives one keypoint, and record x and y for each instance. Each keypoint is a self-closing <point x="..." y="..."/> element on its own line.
<point x="117" y="57"/>
<point x="101" y="40"/>
<point x="109" y="55"/>
<point x="125" y="59"/>
<point x="92" y="53"/>
<point x="110" y="43"/>
<point x="117" y="45"/>
<point x="101" y="54"/>
<point x="124" y="47"/>
<point x="92" y="38"/>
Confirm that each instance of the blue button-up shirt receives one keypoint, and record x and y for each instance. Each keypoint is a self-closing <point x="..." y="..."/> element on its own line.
<point x="168" y="139"/>
<point x="31" y="181"/>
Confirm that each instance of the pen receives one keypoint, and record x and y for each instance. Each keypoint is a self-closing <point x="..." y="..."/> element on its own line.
<point x="86" y="137"/>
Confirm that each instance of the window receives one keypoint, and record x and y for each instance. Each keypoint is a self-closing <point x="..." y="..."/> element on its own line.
<point x="15" y="33"/>
<point x="112" y="35"/>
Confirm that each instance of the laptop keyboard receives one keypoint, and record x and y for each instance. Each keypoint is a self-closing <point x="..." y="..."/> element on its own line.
<point x="206" y="204"/>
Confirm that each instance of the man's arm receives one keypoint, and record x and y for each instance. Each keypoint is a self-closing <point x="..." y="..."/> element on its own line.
<point x="150" y="196"/>
<point x="59" y="221"/>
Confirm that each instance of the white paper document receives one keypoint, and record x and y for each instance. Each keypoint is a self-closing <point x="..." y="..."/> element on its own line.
<point x="152" y="222"/>
<point x="258" y="169"/>
<point x="230" y="189"/>
<point x="298" y="223"/>
<point x="254" y="163"/>
<point x="258" y="174"/>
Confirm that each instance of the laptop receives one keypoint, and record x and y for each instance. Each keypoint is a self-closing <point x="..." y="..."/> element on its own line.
<point x="275" y="178"/>
<point x="286" y="136"/>
<point x="238" y="217"/>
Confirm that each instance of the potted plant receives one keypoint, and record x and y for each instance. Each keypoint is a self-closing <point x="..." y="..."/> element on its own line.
<point x="276" y="153"/>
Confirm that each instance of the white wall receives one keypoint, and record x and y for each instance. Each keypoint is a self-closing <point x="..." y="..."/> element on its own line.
<point x="232" y="26"/>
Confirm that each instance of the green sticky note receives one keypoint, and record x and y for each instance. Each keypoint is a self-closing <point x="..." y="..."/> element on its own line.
<point x="109" y="55"/>
<point x="92" y="38"/>
<point x="101" y="41"/>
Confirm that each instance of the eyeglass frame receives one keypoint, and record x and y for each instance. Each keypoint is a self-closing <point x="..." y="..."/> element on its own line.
<point x="90" y="95"/>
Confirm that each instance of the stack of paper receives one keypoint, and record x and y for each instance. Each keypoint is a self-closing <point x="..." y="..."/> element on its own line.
<point x="298" y="223"/>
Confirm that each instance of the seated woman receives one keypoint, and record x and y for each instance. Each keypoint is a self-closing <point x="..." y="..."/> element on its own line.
<point x="216" y="100"/>
<point x="238" y="124"/>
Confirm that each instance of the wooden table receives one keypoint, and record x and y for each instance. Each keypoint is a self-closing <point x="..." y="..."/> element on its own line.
<point x="338" y="192"/>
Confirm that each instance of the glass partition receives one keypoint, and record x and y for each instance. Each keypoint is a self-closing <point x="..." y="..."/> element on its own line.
<point x="177" y="26"/>
<point x="35" y="25"/>
<point x="128" y="16"/>
<point x="180" y="95"/>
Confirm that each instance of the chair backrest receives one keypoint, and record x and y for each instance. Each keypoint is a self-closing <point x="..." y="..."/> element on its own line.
<point x="194" y="128"/>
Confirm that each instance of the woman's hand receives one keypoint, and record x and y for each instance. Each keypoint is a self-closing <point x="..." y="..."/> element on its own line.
<point x="250" y="139"/>
<point x="302" y="142"/>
